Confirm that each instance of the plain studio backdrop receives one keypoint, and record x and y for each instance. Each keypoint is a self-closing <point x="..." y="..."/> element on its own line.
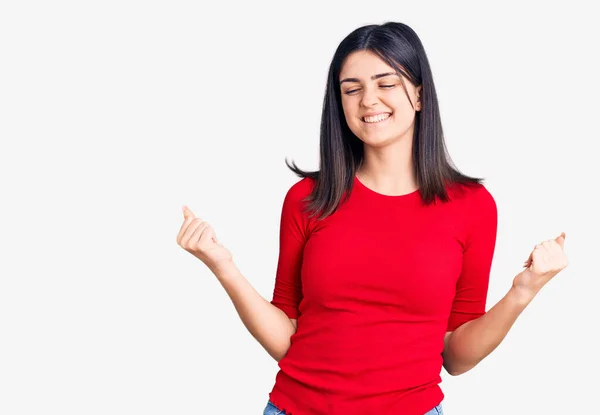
<point x="114" y="114"/>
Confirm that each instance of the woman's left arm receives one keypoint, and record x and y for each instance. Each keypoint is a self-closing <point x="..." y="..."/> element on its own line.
<point x="471" y="342"/>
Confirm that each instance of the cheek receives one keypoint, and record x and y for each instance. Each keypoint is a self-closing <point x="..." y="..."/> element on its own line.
<point x="347" y="108"/>
<point x="403" y="111"/>
<point x="350" y="113"/>
<point x="399" y="105"/>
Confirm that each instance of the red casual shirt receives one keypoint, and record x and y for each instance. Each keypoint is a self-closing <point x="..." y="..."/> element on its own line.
<point x="375" y="287"/>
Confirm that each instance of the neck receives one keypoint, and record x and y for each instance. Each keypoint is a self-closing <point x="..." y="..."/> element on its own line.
<point x="389" y="169"/>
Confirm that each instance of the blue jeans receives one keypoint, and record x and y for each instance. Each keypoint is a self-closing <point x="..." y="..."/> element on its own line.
<point x="273" y="410"/>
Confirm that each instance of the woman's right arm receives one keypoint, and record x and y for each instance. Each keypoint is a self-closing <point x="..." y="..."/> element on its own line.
<point x="268" y="324"/>
<point x="272" y="323"/>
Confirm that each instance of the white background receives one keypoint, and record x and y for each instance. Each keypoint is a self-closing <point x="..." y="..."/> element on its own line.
<point x="114" y="114"/>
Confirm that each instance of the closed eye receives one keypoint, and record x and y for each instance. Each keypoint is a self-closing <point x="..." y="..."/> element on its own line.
<point x="383" y="86"/>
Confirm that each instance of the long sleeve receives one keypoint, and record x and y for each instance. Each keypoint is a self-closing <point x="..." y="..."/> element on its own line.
<point x="472" y="285"/>
<point x="293" y="233"/>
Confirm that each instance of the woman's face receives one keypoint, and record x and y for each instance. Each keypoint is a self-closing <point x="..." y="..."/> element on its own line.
<point x="362" y="95"/>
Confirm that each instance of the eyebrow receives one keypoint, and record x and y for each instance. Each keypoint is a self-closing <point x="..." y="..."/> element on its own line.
<point x="374" y="77"/>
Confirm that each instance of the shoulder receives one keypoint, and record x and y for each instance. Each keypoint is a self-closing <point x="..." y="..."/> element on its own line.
<point x="472" y="194"/>
<point x="300" y="190"/>
<point x="295" y="200"/>
<point x="474" y="202"/>
<point x="478" y="208"/>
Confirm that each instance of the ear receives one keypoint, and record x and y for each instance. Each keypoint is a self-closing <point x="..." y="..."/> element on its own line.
<point x="419" y="103"/>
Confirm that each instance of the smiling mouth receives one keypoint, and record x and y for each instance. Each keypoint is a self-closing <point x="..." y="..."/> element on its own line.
<point x="377" y="119"/>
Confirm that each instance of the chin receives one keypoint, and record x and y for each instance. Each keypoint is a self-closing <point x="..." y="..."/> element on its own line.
<point x="378" y="141"/>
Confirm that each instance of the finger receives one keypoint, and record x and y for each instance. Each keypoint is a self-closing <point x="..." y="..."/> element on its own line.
<point x="528" y="261"/>
<point x="561" y="239"/>
<point x="187" y="212"/>
<point x="197" y="234"/>
<point x="536" y="255"/>
<point x="189" y="217"/>
<point x="190" y="230"/>
<point x="183" y="228"/>
<point x="548" y="244"/>
<point x="213" y="236"/>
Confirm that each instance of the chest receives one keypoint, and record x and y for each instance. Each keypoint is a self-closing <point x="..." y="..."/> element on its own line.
<point x="406" y="261"/>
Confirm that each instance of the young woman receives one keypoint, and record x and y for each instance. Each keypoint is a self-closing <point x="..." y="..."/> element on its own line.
<point x="385" y="251"/>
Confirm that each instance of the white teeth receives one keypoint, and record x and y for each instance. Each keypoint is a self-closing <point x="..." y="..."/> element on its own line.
<point x="376" y="118"/>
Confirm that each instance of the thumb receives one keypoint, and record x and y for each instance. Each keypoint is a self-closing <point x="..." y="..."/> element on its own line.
<point x="561" y="239"/>
<point x="187" y="212"/>
<point x="527" y="263"/>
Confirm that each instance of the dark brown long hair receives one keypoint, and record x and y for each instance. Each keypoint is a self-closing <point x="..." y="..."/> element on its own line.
<point x="342" y="153"/>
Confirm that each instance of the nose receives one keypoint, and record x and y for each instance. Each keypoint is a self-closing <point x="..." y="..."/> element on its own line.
<point x="369" y="97"/>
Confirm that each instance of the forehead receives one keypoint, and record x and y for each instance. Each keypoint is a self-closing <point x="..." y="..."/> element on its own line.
<point x="363" y="64"/>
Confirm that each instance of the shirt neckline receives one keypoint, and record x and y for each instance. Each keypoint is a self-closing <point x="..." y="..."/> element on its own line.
<point x="407" y="196"/>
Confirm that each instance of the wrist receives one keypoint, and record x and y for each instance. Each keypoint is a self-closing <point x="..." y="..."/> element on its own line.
<point x="522" y="295"/>
<point x="222" y="267"/>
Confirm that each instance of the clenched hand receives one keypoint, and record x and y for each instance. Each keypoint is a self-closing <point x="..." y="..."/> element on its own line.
<point x="545" y="261"/>
<point x="198" y="238"/>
